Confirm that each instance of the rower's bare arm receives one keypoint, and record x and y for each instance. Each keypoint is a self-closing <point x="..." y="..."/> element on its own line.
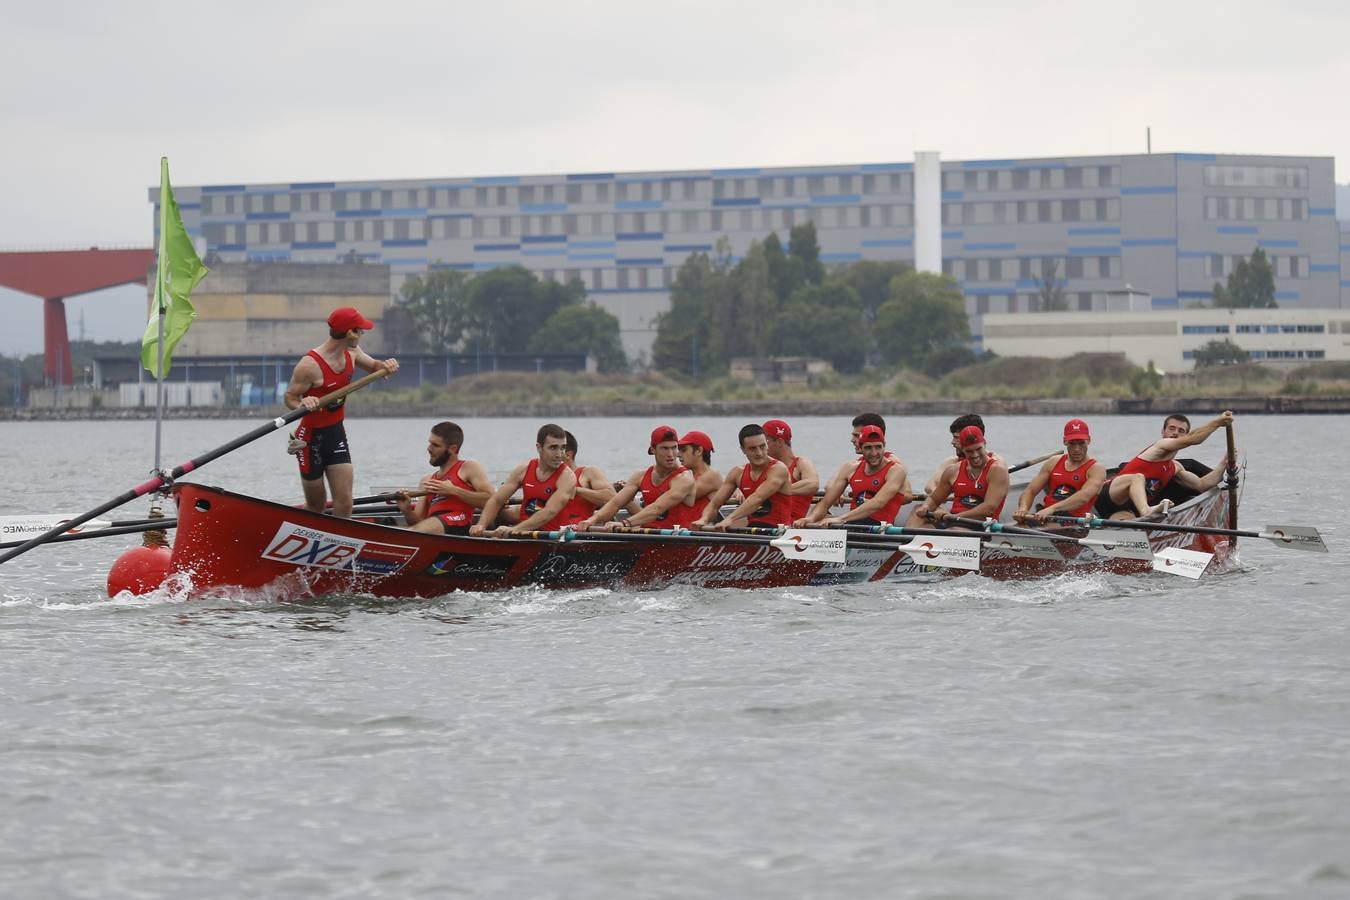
<point x="365" y="361"/>
<point x="1201" y="483"/>
<point x="681" y="487"/>
<point x="305" y="376"/>
<point x="566" y="490"/>
<point x="1198" y="435"/>
<point x="1033" y="489"/>
<point x="498" y="500"/>
<point x="775" y="480"/>
<point x="894" y="483"/>
<point x="933" y="482"/>
<point x="719" y="496"/>
<point x="1092" y="486"/>
<point x="833" y="491"/>
<point x="808" y="480"/>
<point x="611" y="508"/>
<point x="993" y="497"/>
<point x="473" y="472"/>
<point x="594" y="488"/>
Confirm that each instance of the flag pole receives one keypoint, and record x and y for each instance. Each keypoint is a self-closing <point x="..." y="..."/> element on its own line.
<point x="159" y="300"/>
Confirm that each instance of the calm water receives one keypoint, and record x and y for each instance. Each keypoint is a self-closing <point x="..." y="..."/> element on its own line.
<point x="1092" y="737"/>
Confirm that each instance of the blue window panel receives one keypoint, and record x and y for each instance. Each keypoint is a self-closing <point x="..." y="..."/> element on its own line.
<point x="886" y="167"/>
<point x="953" y="195"/>
<point x="194" y="232"/>
<point x="543" y="239"/>
<point x="406" y="260"/>
<point x="736" y="201"/>
<point x="358" y="213"/>
<point x="1195" y="295"/>
<point x="640" y="204"/>
<point x="182" y="206"/>
<point x="1325" y="267"/>
<point x="1345" y="248"/>
<point x="448" y="186"/>
<point x="1345" y="283"/>
<point x="592" y="176"/>
<point x="830" y="199"/>
<point x="995" y="246"/>
<point x="1237" y="229"/>
<point x="269" y="217"/>
<point x="1193" y="254"/>
<point x="458" y="266"/>
<point x="544" y="251"/>
<point x="1148" y="189"/>
<point x="405" y="212"/>
<point x="494" y="248"/>
<point x="953" y="235"/>
<point x="1149" y="242"/>
<point x="1286" y="295"/>
<point x="223" y="189"/>
<point x="1103" y="250"/>
<point x="581" y="257"/>
<point x="447" y="216"/>
<point x="229" y="248"/>
<point x="269" y="256"/>
<point x="987" y="164"/>
<point x="1088" y="232"/>
<point x="987" y="291"/>
<point x="1197" y="157"/>
<point x="1204" y="329"/>
<point x="642" y="261"/>
<point x="641" y="235"/>
<point x="688" y="248"/>
<point x="489" y="266"/>
<point x="314" y="245"/>
<point x="732" y="173"/>
<point x="1188" y="354"/>
<point x="313" y="185"/>
<point x="1040" y="165"/>
<point x="545" y="208"/>
<point x="889" y="242"/>
<point x="498" y="179"/>
<point x="1321" y="210"/>
<point x="265" y="192"/>
<point x="1028" y="282"/>
<point x="840" y="257"/>
<point x="209" y="220"/>
<point x="1280" y="244"/>
<point x="404" y="242"/>
<point x="1166" y="303"/>
<point x="591" y="245"/>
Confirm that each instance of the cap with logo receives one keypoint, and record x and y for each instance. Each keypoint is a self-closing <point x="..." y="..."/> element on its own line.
<point x="1076" y="430"/>
<point x="697" y="439"/>
<point x="349" y="318"/>
<point x="871" y="434"/>
<point x="970" y="436"/>
<point x="661" y="434"/>
<point x="777" y="428"/>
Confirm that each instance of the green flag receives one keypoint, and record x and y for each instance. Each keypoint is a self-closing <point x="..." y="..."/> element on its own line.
<point x="176" y="273"/>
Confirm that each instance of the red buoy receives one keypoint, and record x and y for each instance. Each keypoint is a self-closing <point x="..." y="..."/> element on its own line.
<point x="140" y="570"/>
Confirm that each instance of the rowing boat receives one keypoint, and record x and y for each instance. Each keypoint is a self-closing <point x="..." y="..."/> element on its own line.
<point x="226" y="540"/>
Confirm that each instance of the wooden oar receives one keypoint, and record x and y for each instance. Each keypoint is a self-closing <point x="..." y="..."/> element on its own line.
<point x="1231" y="476"/>
<point x="163" y="478"/>
<point x="133" y="528"/>
<point x="387" y="497"/>
<point x="1291" y="537"/>
<point x="1027" y="463"/>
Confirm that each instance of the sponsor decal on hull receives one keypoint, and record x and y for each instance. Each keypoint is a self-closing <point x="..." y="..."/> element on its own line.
<point x="297" y="545"/>
<point x="470" y="567"/>
<point x="561" y="568"/>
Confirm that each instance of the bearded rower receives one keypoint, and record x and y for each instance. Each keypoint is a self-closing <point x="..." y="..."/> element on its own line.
<point x="453" y="493"/>
<point x="877" y="482"/>
<point x="1070" y="481"/>
<point x="763" y="481"/>
<point x="978" y="484"/>
<point x="667" y="490"/>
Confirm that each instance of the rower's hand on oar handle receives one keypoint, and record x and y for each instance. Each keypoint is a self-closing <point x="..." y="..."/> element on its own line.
<point x="476" y="530"/>
<point x="310" y="403"/>
<point x="1225" y="418"/>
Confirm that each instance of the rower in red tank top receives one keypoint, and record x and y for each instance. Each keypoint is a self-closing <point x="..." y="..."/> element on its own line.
<point x="777" y="509"/>
<point x="679" y="516"/>
<point x="545" y="483"/>
<point x="802" y="477"/>
<point x="452" y="493"/>
<point x="978" y="484"/>
<point x="535" y="492"/>
<point x="452" y="511"/>
<point x="865" y="485"/>
<point x="667" y="490"/>
<point x="762" y="481"/>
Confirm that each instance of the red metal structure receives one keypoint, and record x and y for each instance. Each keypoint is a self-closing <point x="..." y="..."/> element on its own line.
<point x="55" y="275"/>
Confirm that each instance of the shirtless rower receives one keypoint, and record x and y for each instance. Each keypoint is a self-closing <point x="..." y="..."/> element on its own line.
<point x="1137" y="487"/>
<point x="957" y="424"/>
<point x="762" y="480"/>
<point x="696" y="452"/>
<point x="667" y="490"/>
<point x="546" y="486"/>
<point x="802" y="478"/>
<point x="1070" y="481"/>
<point x="877" y="482"/>
<point x="977" y="484"/>
<point x="593" y="488"/>
<point x="457" y="488"/>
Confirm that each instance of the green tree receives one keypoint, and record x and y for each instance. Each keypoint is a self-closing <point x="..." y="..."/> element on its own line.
<point x="750" y="317"/>
<point x="683" y="333"/>
<point x="1220" y="353"/>
<point x="780" y="267"/>
<point x="1050" y="287"/>
<point x="586" y="329"/>
<point x="872" y="282"/>
<point x="1251" y="284"/>
<point x="507" y="305"/>
<point x="804" y="251"/>
<point x="925" y="313"/>
<point x="438" y="303"/>
<point x="824" y="321"/>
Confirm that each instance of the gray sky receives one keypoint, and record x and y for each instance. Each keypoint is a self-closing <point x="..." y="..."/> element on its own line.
<point x="291" y="90"/>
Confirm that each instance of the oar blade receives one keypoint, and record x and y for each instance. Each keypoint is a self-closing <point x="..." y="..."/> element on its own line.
<point x="1025" y="546"/>
<point x="822" y="544"/>
<point x="1186" y="563"/>
<point x="30" y="526"/>
<point x="1295" y="537"/>
<point x="1119" y="543"/>
<point x="944" y="552"/>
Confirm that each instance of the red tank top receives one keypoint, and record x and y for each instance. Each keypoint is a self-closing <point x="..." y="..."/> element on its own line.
<point x="681" y="515"/>
<point x="801" y="503"/>
<point x="322" y="417"/>
<point x="456" y="511"/>
<point x="777" y="510"/>
<point x="1156" y="474"/>
<point x="864" y="487"/>
<point x="1064" y="484"/>
<point x="535" y="494"/>
<point x="967" y="492"/>
<point x="578" y="507"/>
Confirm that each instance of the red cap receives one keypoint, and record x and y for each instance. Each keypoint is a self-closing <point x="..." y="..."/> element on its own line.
<point x="661" y="434"/>
<point x="970" y="436"/>
<point x="346" y="318"/>
<point x="871" y="434"/>
<point x="1076" y="430"/>
<point x="777" y="428"/>
<point x="697" y="439"/>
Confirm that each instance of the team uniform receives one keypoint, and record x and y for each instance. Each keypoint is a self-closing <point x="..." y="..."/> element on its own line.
<point x="322" y="431"/>
<point x="864" y="486"/>
<point x="535" y="494"/>
<point x="775" y="511"/>
<point x="969" y="492"/>
<point x="1157" y="475"/>
<point x="801" y="503"/>
<point x="455" y="514"/>
<point x="578" y="507"/>
<point x="681" y="515"/>
<point x="1064" y="484"/>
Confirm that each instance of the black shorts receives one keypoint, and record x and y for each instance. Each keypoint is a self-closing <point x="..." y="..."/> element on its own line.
<point x="1105" y="507"/>
<point x="324" y="447"/>
<point x="448" y="528"/>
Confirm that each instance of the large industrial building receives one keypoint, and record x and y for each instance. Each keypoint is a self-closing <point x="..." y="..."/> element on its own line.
<point x="1166" y="225"/>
